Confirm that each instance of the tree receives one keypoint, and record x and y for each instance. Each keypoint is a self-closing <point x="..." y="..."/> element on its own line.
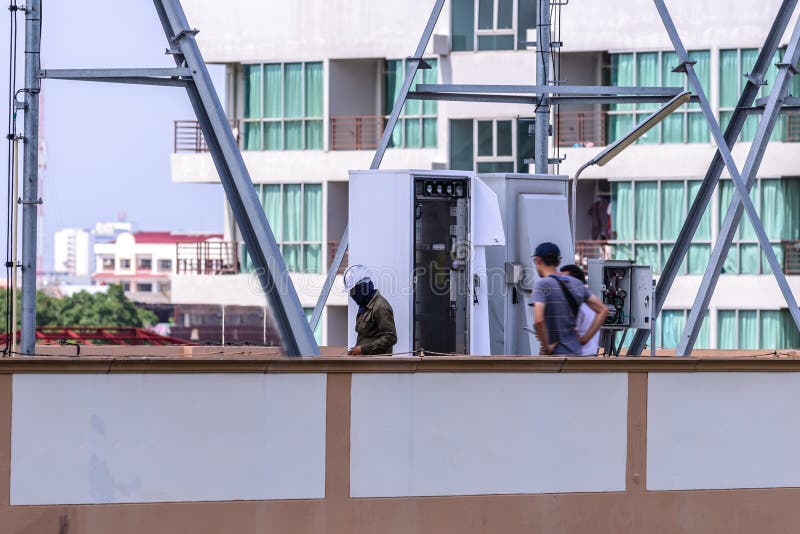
<point x="111" y="308"/>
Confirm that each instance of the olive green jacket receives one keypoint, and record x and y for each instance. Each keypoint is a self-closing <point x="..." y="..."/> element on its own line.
<point x="375" y="327"/>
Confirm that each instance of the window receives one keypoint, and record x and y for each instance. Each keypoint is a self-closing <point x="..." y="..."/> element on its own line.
<point x="108" y="263"/>
<point x="283" y="106"/>
<point x="164" y="287"/>
<point x="652" y="69"/>
<point x="124" y="263"/>
<point x="491" y="24"/>
<point x="165" y="265"/>
<point x="144" y="263"/>
<point x="669" y="328"/>
<point x="126" y="286"/>
<point x="756" y="329"/>
<point x="778" y="202"/>
<point x="734" y="65"/>
<point x="646" y="218"/>
<point x="294" y="212"/>
<point x="416" y="127"/>
<point x="144" y="287"/>
<point x="492" y="145"/>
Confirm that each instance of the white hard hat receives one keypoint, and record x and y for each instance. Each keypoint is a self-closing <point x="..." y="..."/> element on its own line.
<point x="354" y="274"/>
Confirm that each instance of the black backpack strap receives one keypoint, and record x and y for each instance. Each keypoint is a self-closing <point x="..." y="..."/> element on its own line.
<point x="573" y="304"/>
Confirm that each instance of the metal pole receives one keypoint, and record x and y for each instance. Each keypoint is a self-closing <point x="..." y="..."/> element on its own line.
<point x="762" y="136"/>
<point x="749" y="94"/>
<point x="734" y="214"/>
<point x="542" y="112"/>
<point x="574" y="204"/>
<point x="30" y="175"/>
<point x="14" y="246"/>
<point x="413" y="66"/>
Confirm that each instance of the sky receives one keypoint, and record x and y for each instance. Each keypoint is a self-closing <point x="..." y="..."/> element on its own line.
<point x="108" y="145"/>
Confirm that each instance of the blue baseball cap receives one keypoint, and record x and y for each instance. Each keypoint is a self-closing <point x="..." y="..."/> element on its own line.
<point x="547" y="249"/>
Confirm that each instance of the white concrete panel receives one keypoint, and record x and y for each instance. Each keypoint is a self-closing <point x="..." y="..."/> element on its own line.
<point x="722" y="430"/>
<point x="130" y="438"/>
<point x="429" y="434"/>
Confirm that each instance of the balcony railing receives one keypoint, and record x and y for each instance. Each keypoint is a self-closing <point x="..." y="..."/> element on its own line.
<point x="791" y="257"/>
<point x="333" y="246"/>
<point x="356" y="133"/>
<point x="581" y="128"/>
<point x="208" y="257"/>
<point x="188" y="136"/>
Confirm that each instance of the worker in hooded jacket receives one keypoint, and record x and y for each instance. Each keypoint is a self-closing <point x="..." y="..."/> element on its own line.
<point x="375" y="319"/>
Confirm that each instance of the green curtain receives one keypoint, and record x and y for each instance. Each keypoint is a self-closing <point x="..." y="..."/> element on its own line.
<point x="647" y="73"/>
<point x="429" y="133"/>
<point x="773" y="209"/>
<point x="673" y="213"/>
<point x="622" y="210"/>
<point x="622" y="75"/>
<point x="313" y="90"/>
<point x="394" y="81"/>
<point x="252" y="135"/>
<point x="317" y="331"/>
<point x="413" y="107"/>
<point x="252" y="91"/>
<point x="791" y="208"/>
<point x="779" y="132"/>
<point x="666" y="250"/>
<point x="771" y="326"/>
<point x="292" y="212"/>
<point x="698" y="128"/>
<point x="293" y="135"/>
<point x="672" y="128"/>
<point x="618" y="125"/>
<point x="292" y="258"/>
<point x="271" y="200"/>
<point x="413" y="133"/>
<point x="646" y="202"/>
<point x="622" y="251"/>
<point x="312" y="212"/>
<point x="273" y="134"/>
<point x="726" y="329"/>
<point x="293" y="90"/>
<point x="672" y="324"/>
<point x="699" y="256"/>
<point x="703" y="70"/>
<point x="778" y="250"/>
<point x="749" y="253"/>
<point x="648" y="255"/>
<point x="313" y="105"/>
<point x="748" y="329"/>
<point x="791" y="336"/>
<point x="273" y="91"/>
<point x="431" y="75"/>
<point x="703" y="340"/>
<point x="728" y="78"/>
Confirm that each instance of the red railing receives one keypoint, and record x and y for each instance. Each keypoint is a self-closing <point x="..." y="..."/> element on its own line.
<point x="791" y="257"/>
<point x="591" y="250"/>
<point x="356" y="133"/>
<point x="188" y="136"/>
<point x="333" y="246"/>
<point x="581" y="128"/>
<point x="207" y="257"/>
<point x="792" y="127"/>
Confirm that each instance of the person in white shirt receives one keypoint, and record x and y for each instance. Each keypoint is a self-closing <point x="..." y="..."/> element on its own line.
<point x="585" y="313"/>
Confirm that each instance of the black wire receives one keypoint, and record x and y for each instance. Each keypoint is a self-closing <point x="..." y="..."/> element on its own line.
<point x="11" y="162"/>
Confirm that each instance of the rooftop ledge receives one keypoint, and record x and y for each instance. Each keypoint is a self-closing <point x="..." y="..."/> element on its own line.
<point x="186" y="359"/>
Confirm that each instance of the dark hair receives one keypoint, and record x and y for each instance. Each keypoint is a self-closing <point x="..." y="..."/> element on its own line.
<point x="551" y="260"/>
<point x="574" y="271"/>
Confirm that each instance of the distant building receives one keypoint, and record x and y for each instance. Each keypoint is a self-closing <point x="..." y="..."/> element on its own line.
<point x="72" y="252"/>
<point x="144" y="261"/>
<point x="108" y="231"/>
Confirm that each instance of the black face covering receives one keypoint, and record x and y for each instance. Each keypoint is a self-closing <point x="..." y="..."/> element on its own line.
<point x="362" y="293"/>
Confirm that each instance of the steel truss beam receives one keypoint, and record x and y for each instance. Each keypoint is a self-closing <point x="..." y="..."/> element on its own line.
<point x="177" y="77"/>
<point x="741" y="182"/>
<point x="748" y="96"/>
<point x="534" y="100"/>
<point x="609" y="90"/>
<point x="413" y="65"/>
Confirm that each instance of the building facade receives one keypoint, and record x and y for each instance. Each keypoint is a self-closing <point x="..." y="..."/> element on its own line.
<point x="72" y="252"/>
<point x="309" y="86"/>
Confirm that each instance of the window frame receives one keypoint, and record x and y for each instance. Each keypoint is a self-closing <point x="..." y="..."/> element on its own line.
<point x="283" y="119"/>
<point x="495" y="31"/>
<point x="160" y="265"/>
<point x="405" y="116"/>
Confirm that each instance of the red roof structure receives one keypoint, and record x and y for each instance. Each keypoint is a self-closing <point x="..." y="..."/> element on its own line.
<point x="102" y="335"/>
<point x="172" y="237"/>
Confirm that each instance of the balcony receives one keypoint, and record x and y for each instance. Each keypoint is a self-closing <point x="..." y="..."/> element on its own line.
<point x="333" y="246"/>
<point x="356" y="133"/>
<point x="791" y="257"/>
<point x="188" y="136"/>
<point x="207" y="257"/>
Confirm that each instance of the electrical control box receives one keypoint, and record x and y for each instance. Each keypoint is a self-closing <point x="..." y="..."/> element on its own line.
<point x="626" y="289"/>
